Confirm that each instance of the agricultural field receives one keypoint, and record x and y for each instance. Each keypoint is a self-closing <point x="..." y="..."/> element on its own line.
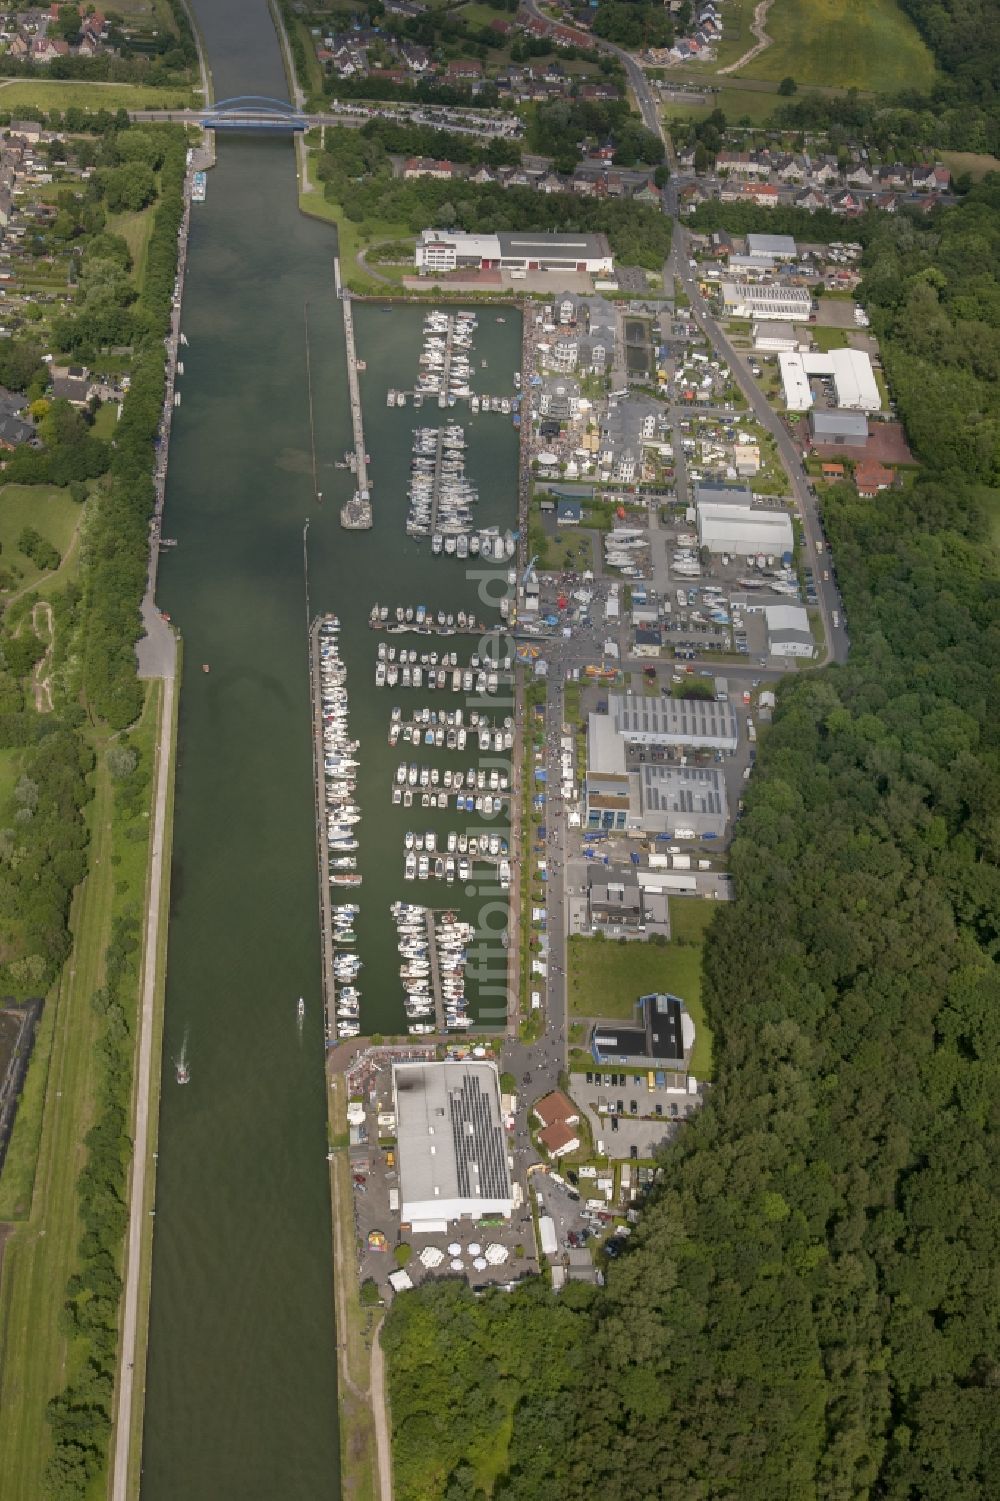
<point x="863" y="44"/>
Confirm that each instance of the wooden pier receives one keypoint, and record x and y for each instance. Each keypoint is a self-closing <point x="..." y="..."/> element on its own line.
<point x="435" y="973"/>
<point x="322" y="848"/>
<point x="356" y="515"/>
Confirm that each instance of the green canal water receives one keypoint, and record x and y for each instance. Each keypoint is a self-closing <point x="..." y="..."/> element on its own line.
<point x="241" y="1379"/>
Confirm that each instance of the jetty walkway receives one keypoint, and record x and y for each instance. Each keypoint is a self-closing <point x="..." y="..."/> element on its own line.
<point x="357" y="514"/>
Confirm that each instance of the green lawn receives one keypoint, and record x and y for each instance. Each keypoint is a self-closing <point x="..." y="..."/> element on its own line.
<point x="50" y="511"/>
<point x="52" y="94"/>
<point x="864" y="44"/>
<point x="828" y="338"/>
<point x="977" y="164"/>
<point x="607" y="978"/>
<point x="106" y="420"/>
<point x="135" y="230"/>
<point x="736" y="104"/>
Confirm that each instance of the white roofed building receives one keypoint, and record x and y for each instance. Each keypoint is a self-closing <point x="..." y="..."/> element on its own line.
<point x="849" y="369"/>
<point x="746" y="299"/>
<point x="537" y="250"/>
<point x="788" y="633"/>
<point x="451" y="1144"/>
<point x="743" y="530"/>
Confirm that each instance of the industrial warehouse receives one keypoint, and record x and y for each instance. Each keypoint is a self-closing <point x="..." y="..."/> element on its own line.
<point x="850" y="370"/>
<point x="729" y="522"/>
<point x="452" y="1145"/>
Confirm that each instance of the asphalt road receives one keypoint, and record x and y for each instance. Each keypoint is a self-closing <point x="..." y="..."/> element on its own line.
<point x="678" y="266"/>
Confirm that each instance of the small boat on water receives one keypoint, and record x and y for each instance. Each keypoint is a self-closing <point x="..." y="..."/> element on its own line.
<point x="182" y="1072"/>
<point x="300" y="1010"/>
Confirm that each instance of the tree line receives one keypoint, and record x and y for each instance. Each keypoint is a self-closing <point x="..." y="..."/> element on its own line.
<point x="357" y="175"/>
<point x="808" y="1306"/>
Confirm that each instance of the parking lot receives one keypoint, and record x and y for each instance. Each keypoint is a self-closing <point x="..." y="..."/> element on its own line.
<point x="626" y="1132"/>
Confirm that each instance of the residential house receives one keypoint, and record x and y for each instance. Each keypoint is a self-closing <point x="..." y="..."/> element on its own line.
<point x="824" y="171"/>
<point x="14" y="431"/>
<point x="870" y="477"/>
<point x="844" y="201"/>
<point x="763" y="194"/>
<point x="743" y="164"/>
<point x="426" y="166"/>
<point x="895" y="177"/>
<point x="464" y="69"/>
<point x="70" y="383"/>
<point x="859" y="176"/>
<point x="811" y="199"/>
<point x="791" y="169"/>
<point x="832" y="473"/>
<point x="417" y="58"/>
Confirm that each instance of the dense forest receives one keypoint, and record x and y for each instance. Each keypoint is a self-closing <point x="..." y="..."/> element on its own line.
<point x="357" y="174"/>
<point x="808" y="1307"/>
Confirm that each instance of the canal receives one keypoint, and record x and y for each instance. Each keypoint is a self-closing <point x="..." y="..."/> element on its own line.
<point x="241" y="1394"/>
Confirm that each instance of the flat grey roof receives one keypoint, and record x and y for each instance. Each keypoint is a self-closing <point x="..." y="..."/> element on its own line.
<point x="690" y="790"/>
<point x="840" y="424"/>
<point x="583" y="246"/>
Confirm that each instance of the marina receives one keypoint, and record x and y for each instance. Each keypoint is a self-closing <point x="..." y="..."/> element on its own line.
<point x="434" y="949"/>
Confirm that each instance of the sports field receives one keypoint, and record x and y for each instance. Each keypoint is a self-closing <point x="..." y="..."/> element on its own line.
<point x="864" y="44"/>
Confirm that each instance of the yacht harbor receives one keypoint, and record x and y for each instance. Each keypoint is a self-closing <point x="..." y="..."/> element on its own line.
<point x="434" y="949"/>
<point x="338" y="815"/>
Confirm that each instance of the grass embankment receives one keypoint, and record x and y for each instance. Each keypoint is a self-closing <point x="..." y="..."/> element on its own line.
<point x="152" y="1140"/>
<point x="863" y="44"/>
<point x="356" y="1326"/>
<point x="47" y="1149"/>
<point x="606" y="978"/>
<point x="51" y="93"/>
